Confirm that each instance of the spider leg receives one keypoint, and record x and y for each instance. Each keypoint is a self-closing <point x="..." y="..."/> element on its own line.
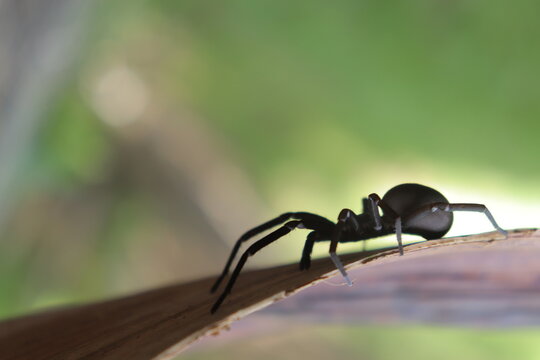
<point x="252" y="250"/>
<point x="346" y="218"/>
<point x="374" y="211"/>
<point x="459" y="207"/>
<point x="376" y="203"/>
<point x="305" y="262"/>
<point x="247" y="235"/>
<point x="310" y="221"/>
<point x="398" y="235"/>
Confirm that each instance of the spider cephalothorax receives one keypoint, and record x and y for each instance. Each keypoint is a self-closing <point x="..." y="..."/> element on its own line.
<point x="407" y="208"/>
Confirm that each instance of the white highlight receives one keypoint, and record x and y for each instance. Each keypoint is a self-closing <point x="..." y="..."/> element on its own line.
<point x="119" y="96"/>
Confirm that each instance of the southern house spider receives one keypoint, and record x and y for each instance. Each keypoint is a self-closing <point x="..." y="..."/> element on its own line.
<point x="407" y="208"/>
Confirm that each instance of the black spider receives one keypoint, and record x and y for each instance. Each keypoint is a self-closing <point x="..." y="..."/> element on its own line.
<point x="407" y="208"/>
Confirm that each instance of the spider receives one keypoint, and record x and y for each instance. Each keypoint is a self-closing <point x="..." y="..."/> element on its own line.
<point x="407" y="208"/>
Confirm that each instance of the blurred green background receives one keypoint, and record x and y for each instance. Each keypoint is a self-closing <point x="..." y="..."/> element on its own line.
<point x="139" y="139"/>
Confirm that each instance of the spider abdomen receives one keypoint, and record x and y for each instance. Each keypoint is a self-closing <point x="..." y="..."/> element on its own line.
<point x="406" y="198"/>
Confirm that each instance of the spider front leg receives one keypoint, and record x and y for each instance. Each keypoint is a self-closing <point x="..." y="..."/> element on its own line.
<point x="252" y="250"/>
<point x="377" y="202"/>
<point x="374" y="200"/>
<point x="248" y="235"/>
<point x="346" y="221"/>
<point x="309" y="220"/>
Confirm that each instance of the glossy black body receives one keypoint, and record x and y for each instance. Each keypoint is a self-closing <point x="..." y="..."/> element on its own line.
<point x="407" y="208"/>
<point x="403" y="199"/>
<point x="406" y="199"/>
